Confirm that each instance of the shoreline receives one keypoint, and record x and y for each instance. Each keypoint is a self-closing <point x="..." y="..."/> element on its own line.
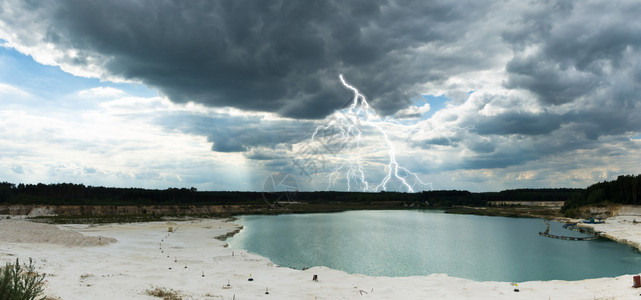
<point x="140" y="258"/>
<point x="618" y="229"/>
<point x="585" y="228"/>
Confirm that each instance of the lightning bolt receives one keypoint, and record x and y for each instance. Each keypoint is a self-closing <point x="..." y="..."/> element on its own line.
<point x="343" y="137"/>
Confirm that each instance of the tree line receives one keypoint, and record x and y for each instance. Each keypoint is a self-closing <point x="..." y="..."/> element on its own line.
<point x="624" y="190"/>
<point x="456" y="198"/>
<point x="79" y="194"/>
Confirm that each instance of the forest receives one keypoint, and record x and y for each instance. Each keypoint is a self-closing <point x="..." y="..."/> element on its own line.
<point x="79" y="194"/>
<point x="624" y="190"/>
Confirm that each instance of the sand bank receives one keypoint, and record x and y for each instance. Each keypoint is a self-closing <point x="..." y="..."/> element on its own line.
<point x="146" y="255"/>
<point x="29" y="232"/>
<point x="623" y="229"/>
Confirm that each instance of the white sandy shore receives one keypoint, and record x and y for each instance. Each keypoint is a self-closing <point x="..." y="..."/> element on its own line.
<point x="134" y="262"/>
<point x="623" y="229"/>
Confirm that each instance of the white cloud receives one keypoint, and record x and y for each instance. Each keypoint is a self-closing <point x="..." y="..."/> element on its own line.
<point x="535" y="98"/>
<point x="101" y="93"/>
<point x="412" y="112"/>
<point x="7" y="90"/>
<point x="110" y="145"/>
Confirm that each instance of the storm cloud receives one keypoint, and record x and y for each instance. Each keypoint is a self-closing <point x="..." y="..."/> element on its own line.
<point x="275" y="56"/>
<point x="520" y="83"/>
<point x="238" y="133"/>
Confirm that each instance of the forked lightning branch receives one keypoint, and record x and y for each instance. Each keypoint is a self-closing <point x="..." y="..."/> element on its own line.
<point x="341" y="150"/>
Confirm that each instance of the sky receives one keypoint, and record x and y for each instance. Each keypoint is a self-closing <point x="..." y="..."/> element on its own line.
<point x="230" y="95"/>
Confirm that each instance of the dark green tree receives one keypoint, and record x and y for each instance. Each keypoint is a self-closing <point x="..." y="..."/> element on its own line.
<point x="20" y="282"/>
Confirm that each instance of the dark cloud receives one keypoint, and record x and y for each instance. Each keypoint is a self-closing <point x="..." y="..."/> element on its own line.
<point x="567" y="51"/>
<point x="502" y="151"/>
<point x="607" y="120"/>
<point x="493" y="161"/>
<point x="240" y="133"/>
<point x="552" y="83"/>
<point x="552" y="77"/>
<point x="266" y="154"/>
<point x="276" y="56"/>
<point x="581" y="61"/>
<point x="440" y="141"/>
<point x="518" y="123"/>
<point x="483" y="146"/>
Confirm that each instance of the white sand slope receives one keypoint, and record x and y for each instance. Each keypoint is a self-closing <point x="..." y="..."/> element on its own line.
<point x="145" y="255"/>
<point x="29" y="232"/>
<point x="623" y="229"/>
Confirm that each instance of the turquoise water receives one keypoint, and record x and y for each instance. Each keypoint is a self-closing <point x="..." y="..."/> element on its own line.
<point x="408" y="243"/>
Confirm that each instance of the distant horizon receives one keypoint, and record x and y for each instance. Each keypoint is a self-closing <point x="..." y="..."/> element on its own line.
<point x="302" y="191"/>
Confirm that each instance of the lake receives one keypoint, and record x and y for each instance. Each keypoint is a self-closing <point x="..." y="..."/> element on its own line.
<point x="422" y="242"/>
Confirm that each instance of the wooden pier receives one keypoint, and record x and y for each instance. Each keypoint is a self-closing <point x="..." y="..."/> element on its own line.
<point x="570" y="238"/>
<point x="546" y="233"/>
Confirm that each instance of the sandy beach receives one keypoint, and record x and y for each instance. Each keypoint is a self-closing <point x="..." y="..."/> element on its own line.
<point x="122" y="261"/>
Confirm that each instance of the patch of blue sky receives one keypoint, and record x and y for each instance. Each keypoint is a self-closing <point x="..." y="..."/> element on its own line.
<point x="636" y="137"/>
<point x="50" y="82"/>
<point x="436" y="103"/>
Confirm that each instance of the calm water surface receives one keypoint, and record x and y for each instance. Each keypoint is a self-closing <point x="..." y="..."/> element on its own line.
<point x="407" y="243"/>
